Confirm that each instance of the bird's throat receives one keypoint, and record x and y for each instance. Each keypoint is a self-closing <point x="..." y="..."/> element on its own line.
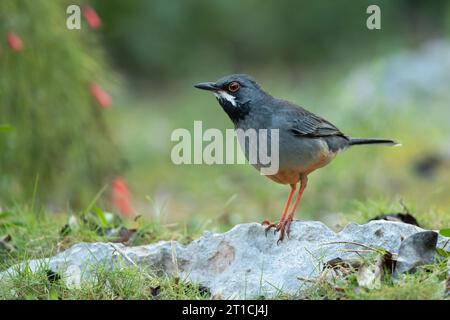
<point x="225" y="97"/>
<point x="237" y="111"/>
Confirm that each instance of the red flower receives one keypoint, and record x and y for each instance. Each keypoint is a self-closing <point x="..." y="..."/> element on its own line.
<point x="92" y="18"/>
<point x="103" y="99"/>
<point x="14" y="42"/>
<point x="121" y="197"/>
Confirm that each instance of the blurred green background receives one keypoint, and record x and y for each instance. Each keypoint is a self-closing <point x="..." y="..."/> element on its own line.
<point x="59" y="148"/>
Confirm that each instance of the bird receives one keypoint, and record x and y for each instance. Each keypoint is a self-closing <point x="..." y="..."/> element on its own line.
<point x="307" y="141"/>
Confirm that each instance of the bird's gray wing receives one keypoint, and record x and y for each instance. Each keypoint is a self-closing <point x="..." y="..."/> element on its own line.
<point x="301" y="122"/>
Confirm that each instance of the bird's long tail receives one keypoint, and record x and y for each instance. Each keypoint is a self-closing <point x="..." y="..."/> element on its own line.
<point x="359" y="141"/>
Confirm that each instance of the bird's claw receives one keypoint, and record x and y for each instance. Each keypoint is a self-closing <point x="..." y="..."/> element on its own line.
<point x="270" y="226"/>
<point x="277" y="226"/>
<point x="284" y="227"/>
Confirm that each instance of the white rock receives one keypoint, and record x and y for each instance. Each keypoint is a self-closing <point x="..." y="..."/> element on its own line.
<point x="241" y="263"/>
<point x="72" y="277"/>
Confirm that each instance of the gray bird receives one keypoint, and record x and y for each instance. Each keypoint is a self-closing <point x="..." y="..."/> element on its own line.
<point x="306" y="141"/>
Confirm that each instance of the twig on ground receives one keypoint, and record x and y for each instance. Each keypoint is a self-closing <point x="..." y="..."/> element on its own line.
<point x="358" y="244"/>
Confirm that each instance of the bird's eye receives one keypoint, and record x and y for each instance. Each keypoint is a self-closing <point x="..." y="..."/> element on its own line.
<point x="234" y="86"/>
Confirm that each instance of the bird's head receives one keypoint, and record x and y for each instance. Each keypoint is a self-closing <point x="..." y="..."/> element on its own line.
<point x="235" y="93"/>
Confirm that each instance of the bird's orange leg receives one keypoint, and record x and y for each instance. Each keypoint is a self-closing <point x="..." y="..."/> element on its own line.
<point x="286" y="223"/>
<point x="285" y="211"/>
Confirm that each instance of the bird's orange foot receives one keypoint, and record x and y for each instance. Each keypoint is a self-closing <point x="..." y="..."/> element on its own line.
<point x="270" y="225"/>
<point x="284" y="228"/>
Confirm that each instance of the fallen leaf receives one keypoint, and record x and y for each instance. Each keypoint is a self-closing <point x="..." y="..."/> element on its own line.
<point x="370" y="275"/>
<point x="121" y="234"/>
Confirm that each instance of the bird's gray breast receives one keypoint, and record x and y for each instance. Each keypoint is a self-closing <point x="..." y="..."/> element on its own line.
<point x="302" y="154"/>
<point x="261" y="144"/>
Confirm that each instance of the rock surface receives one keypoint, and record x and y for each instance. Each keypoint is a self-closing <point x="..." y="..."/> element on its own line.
<point x="241" y="263"/>
<point x="416" y="250"/>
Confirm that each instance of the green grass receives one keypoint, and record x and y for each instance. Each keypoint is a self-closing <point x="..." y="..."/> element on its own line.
<point x="117" y="284"/>
<point x="38" y="234"/>
<point x="428" y="283"/>
<point x="41" y="234"/>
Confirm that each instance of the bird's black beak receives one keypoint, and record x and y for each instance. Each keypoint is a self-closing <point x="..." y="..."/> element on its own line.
<point x="210" y="86"/>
